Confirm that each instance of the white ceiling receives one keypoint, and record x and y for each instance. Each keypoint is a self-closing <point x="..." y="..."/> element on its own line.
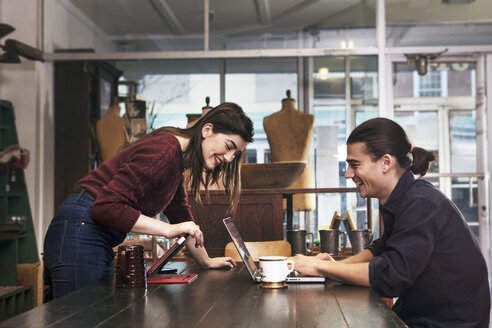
<point x="184" y="17"/>
<point x="144" y="21"/>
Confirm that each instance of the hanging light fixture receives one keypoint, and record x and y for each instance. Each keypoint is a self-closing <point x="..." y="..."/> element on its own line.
<point x="422" y="64"/>
<point x="421" y="61"/>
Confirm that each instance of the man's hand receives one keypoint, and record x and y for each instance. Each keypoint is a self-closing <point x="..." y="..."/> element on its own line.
<point x="325" y="257"/>
<point x="349" y="273"/>
<point x="306" y="264"/>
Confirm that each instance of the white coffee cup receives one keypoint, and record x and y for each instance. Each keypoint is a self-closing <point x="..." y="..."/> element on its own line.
<point x="275" y="268"/>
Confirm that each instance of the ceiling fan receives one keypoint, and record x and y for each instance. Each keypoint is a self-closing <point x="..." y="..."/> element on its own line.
<point x="13" y="48"/>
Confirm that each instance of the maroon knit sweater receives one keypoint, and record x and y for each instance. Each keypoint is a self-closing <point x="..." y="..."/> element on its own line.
<point x="145" y="178"/>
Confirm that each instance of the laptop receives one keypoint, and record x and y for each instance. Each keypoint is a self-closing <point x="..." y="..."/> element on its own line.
<point x="250" y="264"/>
<point x="157" y="274"/>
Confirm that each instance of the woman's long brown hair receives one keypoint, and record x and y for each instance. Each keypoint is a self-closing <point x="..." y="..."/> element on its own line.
<point x="227" y="118"/>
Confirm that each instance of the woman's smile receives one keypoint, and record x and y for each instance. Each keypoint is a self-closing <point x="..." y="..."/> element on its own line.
<point x="217" y="160"/>
<point x="219" y="148"/>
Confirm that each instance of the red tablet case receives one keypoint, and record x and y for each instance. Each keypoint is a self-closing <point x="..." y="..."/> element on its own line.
<point x="172" y="278"/>
<point x="153" y="275"/>
<point x="168" y="255"/>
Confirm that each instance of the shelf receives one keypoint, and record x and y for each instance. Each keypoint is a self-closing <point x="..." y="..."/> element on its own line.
<point x="10" y="232"/>
<point x="10" y="194"/>
<point x="17" y="241"/>
<point x="15" y="300"/>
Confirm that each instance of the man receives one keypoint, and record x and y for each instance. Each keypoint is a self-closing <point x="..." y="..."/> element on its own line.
<point x="427" y="255"/>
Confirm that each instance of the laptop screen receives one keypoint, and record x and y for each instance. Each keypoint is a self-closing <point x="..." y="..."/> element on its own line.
<point x="241" y="247"/>
<point x="250" y="264"/>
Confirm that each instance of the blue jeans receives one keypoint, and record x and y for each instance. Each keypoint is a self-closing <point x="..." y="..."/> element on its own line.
<point x="77" y="250"/>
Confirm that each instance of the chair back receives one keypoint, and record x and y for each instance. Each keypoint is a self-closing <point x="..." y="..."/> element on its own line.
<point x="260" y="248"/>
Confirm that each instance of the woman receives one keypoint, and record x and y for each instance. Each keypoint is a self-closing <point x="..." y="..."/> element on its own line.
<point x="126" y="191"/>
<point x="427" y="255"/>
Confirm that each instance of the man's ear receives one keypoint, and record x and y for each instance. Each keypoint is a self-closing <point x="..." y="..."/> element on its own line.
<point x="207" y="130"/>
<point x="388" y="162"/>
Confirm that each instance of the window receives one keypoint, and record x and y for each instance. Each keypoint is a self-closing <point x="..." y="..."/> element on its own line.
<point x="441" y="117"/>
<point x="251" y="156"/>
<point x="258" y="86"/>
<point x="175" y="88"/>
<point x="430" y="85"/>
<point x="330" y="110"/>
<point x="463" y="144"/>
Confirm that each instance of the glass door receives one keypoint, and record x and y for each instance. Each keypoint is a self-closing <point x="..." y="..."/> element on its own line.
<point x="438" y="112"/>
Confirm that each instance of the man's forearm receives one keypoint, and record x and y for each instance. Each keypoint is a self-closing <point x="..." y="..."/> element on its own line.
<point x="363" y="257"/>
<point x="349" y="273"/>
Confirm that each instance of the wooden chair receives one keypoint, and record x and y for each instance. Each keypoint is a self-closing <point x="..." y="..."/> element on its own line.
<point x="338" y="219"/>
<point x="260" y="248"/>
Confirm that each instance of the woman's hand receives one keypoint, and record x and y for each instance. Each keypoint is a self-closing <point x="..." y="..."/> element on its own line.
<point x="220" y="262"/>
<point x="175" y="230"/>
<point x="201" y="257"/>
<point x="150" y="226"/>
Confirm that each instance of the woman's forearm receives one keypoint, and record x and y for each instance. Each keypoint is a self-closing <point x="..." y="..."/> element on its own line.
<point x="199" y="253"/>
<point x="151" y="226"/>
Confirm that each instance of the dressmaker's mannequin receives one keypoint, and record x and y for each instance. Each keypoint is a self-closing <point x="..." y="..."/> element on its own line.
<point x="193" y="118"/>
<point x="290" y="135"/>
<point x="110" y="131"/>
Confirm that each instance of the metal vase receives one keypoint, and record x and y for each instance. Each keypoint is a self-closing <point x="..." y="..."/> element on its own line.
<point x="360" y="239"/>
<point x="330" y="241"/>
<point x="298" y="242"/>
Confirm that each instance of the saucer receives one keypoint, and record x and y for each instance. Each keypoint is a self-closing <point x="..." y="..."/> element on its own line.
<point x="273" y="285"/>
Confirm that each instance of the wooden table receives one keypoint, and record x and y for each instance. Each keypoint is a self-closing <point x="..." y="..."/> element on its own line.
<point x="217" y="298"/>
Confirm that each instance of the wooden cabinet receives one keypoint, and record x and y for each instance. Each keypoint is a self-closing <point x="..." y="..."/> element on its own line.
<point x="259" y="217"/>
<point x="83" y="92"/>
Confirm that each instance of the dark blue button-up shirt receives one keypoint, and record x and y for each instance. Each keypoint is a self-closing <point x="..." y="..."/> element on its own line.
<point x="429" y="259"/>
